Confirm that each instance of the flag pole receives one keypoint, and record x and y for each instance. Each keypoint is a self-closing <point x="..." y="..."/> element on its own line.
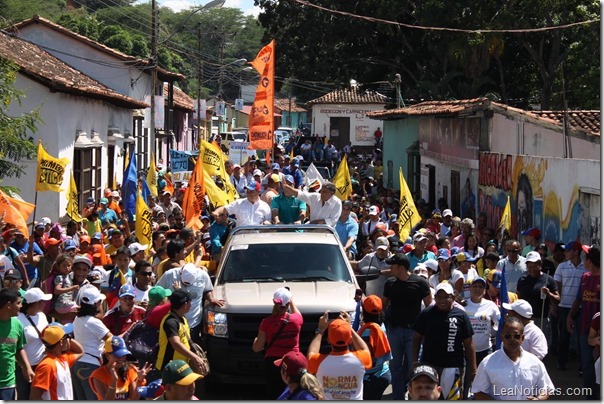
<point x="33" y="226"/>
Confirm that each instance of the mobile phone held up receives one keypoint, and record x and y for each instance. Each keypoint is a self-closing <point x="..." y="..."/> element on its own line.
<point x="333" y="315"/>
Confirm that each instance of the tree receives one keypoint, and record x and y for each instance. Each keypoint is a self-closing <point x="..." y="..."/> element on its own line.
<point x="15" y="141"/>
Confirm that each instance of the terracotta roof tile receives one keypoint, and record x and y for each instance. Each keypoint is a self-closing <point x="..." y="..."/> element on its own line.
<point x="163" y="74"/>
<point x="181" y="99"/>
<point x="283" y="105"/>
<point x="41" y="66"/>
<point x="432" y="108"/>
<point x="589" y="121"/>
<point x="348" y="96"/>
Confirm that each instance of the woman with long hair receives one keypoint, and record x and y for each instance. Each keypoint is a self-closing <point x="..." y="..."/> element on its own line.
<point x="300" y="385"/>
<point x="117" y="379"/>
<point x="471" y="247"/>
<point x="445" y="273"/>
<point x="374" y="334"/>
<point x="278" y="334"/>
<point x="34" y="321"/>
<point x="90" y="330"/>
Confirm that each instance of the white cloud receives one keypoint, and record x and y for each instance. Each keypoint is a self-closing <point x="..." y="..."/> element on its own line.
<point x="177" y="5"/>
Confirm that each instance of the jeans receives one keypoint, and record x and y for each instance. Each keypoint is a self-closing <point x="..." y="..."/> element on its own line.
<point x="80" y="374"/>
<point x="401" y="344"/>
<point x="564" y="336"/>
<point x="374" y="386"/>
<point x="8" y="394"/>
<point x="589" y="371"/>
<point x="23" y="386"/>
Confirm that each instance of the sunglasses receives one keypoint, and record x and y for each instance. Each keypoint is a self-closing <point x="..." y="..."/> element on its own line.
<point x="146" y="273"/>
<point x="514" y="251"/>
<point x="509" y="336"/>
<point x="13" y="281"/>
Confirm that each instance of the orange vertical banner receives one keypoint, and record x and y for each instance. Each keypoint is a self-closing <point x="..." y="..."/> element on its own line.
<point x="261" y="122"/>
<point x="194" y="196"/>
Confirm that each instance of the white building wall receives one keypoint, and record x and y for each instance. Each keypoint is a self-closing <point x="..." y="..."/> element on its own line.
<point x="361" y="127"/>
<point x="62" y="116"/>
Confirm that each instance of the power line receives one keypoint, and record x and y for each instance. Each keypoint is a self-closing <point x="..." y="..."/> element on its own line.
<point x="467" y="31"/>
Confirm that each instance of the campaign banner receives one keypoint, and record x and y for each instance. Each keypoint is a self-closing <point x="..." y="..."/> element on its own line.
<point x="239" y="152"/>
<point x="182" y="164"/>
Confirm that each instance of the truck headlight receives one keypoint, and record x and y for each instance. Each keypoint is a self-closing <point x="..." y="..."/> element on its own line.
<point x="216" y="324"/>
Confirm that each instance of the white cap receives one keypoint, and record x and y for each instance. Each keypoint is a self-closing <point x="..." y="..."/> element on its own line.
<point x="432" y="264"/>
<point x="381" y="243"/>
<point x="188" y="274"/>
<point x="447" y="212"/>
<point x="257" y="172"/>
<point x="421" y="270"/>
<point x="46" y="220"/>
<point x="520" y="306"/>
<point x="91" y="296"/>
<point x="136" y="248"/>
<point x="282" y="297"/>
<point x="115" y="194"/>
<point x="374" y="210"/>
<point x="419" y="236"/>
<point x="34" y="295"/>
<point x="82" y="258"/>
<point x="446" y="286"/>
<point x="533" y="256"/>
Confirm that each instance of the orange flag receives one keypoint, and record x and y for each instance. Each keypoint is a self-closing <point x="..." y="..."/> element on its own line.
<point x="261" y="122"/>
<point x="11" y="213"/>
<point x="169" y="185"/>
<point x="195" y="196"/>
<point x="25" y="208"/>
<point x="268" y="157"/>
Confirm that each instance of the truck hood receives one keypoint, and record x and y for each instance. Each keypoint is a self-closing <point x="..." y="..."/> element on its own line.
<point x="252" y="297"/>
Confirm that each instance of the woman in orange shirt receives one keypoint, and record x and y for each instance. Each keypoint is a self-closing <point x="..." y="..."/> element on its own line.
<point x="117" y="379"/>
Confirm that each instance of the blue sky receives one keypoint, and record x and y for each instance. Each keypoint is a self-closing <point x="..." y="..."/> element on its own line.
<point x="247" y="6"/>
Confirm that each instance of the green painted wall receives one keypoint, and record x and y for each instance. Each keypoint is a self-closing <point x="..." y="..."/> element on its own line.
<point x="398" y="136"/>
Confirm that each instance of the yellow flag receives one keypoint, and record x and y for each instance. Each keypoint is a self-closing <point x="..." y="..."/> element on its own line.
<point x="291" y="154"/>
<point x="506" y="217"/>
<point x="50" y="171"/>
<point x="216" y="195"/>
<point x="73" y="206"/>
<point x="114" y="185"/>
<point x="194" y="199"/>
<point x="213" y="163"/>
<point x="152" y="176"/>
<point x="143" y="225"/>
<point x="408" y="216"/>
<point x="342" y="180"/>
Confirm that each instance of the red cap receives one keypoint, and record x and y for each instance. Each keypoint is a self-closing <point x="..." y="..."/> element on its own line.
<point x="372" y="304"/>
<point x="85" y="239"/>
<point x="51" y="241"/>
<point x="294" y="363"/>
<point x="182" y="190"/>
<point x="339" y="333"/>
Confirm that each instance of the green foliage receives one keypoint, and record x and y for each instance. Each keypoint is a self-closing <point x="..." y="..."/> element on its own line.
<point x="15" y="143"/>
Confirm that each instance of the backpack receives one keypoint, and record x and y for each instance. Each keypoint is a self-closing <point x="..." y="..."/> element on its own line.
<point x="142" y="341"/>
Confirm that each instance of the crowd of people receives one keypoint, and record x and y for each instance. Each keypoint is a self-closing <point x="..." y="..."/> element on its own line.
<point x="429" y="324"/>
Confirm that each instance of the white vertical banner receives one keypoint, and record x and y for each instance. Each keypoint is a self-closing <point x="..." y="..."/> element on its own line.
<point x="220" y="109"/>
<point x="147" y="120"/>
<point x="159" y="111"/>
<point x="204" y="109"/>
<point x="239" y="104"/>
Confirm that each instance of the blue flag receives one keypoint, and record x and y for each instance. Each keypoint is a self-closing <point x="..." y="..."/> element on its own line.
<point x="503" y="298"/>
<point x="146" y="192"/>
<point x="129" y="187"/>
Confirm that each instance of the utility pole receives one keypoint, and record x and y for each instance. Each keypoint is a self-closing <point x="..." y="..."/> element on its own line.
<point x="399" y="97"/>
<point x="153" y="74"/>
<point x="199" y="80"/>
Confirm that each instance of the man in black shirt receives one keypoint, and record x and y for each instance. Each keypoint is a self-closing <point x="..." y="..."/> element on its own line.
<point x="446" y="333"/>
<point x="402" y="298"/>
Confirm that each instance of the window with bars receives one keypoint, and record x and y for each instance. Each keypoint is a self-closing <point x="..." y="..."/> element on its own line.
<point x="87" y="173"/>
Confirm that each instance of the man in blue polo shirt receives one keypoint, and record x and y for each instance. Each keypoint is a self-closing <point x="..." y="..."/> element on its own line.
<point x="347" y="229"/>
<point x="419" y="253"/>
<point x="287" y="210"/>
<point x="294" y="170"/>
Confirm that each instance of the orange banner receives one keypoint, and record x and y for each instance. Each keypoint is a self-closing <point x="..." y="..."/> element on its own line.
<point x="261" y="122"/>
<point x="11" y="213"/>
<point x="195" y="196"/>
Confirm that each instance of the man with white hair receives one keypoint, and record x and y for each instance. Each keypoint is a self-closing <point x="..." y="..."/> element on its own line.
<point x="325" y="206"/>
<point x="239" y="180"/>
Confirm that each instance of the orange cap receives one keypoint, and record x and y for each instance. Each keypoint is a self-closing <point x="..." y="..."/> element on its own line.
<point x="372" y="304"/>
<point x="339" y="333"/>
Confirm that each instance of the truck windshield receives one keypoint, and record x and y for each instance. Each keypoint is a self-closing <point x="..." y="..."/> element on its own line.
<point x="285" y="262"/>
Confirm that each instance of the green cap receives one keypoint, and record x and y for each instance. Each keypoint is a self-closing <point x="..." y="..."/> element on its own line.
<point x="157" y="294"/>
<point x="179" y="372"/>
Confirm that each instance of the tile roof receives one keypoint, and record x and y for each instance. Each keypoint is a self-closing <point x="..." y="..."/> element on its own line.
<point x="46" y="69"/>
<point x="584" y="121"/>
<point x="163" y="74"/>
<point x="350" y="96"/>
<point x="283" y="105"/>
<point x="181" y="99"/>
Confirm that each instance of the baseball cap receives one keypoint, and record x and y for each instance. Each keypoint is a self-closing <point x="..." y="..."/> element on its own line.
<point x="275" y="166"/>
<point x="275" y="177"/>
<point x="339" y="333"/>
<point x="40" y="226"/>
<point x="372" y="304"/>
<point x="393" y="218"/>
<point x="82" y="259"/>
<point x="69" y="245"/>
<point x="257" y="172"/>
<point x="289" y="179"/>
<point x="295" y="162"/>
<point x="54" y="333"/>
<point x="104" y="201"/>
<point x="90" y="200"/>
<point x="115" y="194"/>
<point x="293" y="363"/>
<point x="407" y="248"/>
<point x="447" y="212"/>
<point x="126" y="290"/>
<point x="152" y="390"/>
<point x="108" y="192"/>
<point x="495" y="278"/>
<point x="135" y="248"/>
<point x="399" y="259"/>
<point x="253" y="186"/>
<point x="446" y="286"/>
<point x="520" y="306"/>
<point x="188" y="274"/>
<point x="179" y="372"/>
<point x="443" y="254"/>
<point x="35" y="295"/>
<point x="573" y="245"/>
<point x="95" y="277"/>
<point x="204" y="217"/>
<point x="533" y="256"/>
<point x="51" y="241"/>
<point x="431" y="264"/>
<point x="282" y="297"/>
<point x="180" y="296"/>
<point x="424" y="370"/>
<point x="382" y="243"/>
<point x="84" y="239"/>
<point x="533" y="231"/>
<point x="421" y="270"/>
<point x="46" y="220"/>
<point x="98" y="236"/>
<point x="167" y="193"/>
<point x="116" y="346"/>
<point x="419" y="236"/>
<point x="157" y="294"/>
<point x="236" y="167"/>
<point x="478" y="279"/>
<point x="374" y="210"/>
<point x="12" y="274"/>
<point x="464" y="257"/>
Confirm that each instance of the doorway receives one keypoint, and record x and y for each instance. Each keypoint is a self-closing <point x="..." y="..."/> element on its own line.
<point x="339" y="131"/>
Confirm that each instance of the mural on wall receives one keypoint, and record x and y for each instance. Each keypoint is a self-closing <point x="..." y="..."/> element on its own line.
<point x="544" y="193"/>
